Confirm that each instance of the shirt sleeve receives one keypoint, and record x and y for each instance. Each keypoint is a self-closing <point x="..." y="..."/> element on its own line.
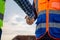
<point x="34" y="10"/>
<point x="27" y="7"/>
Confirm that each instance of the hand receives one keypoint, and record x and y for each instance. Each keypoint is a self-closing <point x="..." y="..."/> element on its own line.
<point x="29" y="20"/>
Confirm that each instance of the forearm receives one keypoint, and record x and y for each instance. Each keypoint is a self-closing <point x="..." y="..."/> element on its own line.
<point x="27" y="7"/>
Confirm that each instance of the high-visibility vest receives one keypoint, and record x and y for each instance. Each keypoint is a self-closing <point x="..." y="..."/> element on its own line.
<point x="48" y="19"/>
<point x="2" y="8"/>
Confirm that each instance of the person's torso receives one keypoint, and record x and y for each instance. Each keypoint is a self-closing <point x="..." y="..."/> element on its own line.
<point x="48" y="20"/>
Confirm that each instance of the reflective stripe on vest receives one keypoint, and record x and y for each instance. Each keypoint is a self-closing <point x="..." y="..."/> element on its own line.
<point x="50" y="12"/>
<point x="55" y="25"/>
<point x="43" y="25"/>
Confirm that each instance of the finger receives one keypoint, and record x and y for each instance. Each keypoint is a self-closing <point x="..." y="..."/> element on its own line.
<point x="26" y="17"/>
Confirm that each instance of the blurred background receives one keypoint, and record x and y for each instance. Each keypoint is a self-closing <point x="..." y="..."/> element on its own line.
<point x="14" y="22"/>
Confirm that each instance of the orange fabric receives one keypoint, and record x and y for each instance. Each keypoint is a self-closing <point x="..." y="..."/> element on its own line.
<point x="53" y="4"/>
<point x="54" y="0"/>
<point x="42" y="5"/>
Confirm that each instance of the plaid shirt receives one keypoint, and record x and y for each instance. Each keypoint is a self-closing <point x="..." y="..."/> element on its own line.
<point x="27" y="7"/>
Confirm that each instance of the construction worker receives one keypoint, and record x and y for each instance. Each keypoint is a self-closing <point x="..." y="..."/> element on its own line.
<point x="2" y="8"/>
<point x="48" y="19"/>
<point x="47" y="14"/>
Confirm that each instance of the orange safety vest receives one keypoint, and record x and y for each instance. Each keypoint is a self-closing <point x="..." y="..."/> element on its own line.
<point x="51" y="9"/>
<point x="43" y="5"/>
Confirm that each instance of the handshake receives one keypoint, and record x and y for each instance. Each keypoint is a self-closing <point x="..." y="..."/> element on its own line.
<point x="29" y="20"/>
<point x="26" y="6"/>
